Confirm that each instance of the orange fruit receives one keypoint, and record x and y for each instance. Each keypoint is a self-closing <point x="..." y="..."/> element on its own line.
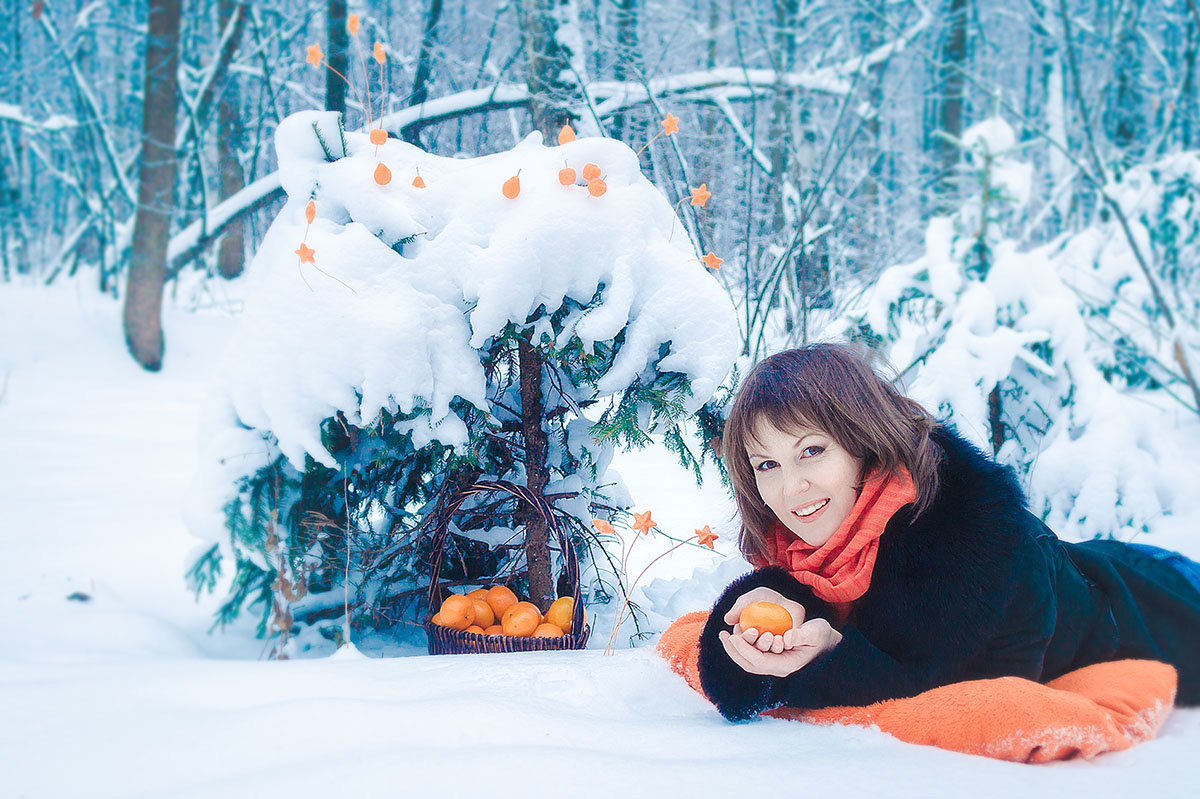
<point x="483" y="612"/>
<point x="590" y="171"/>
<point x="500" y="598"/>
<point x="560" y="613"/>
<point x="520" y="620"/>
<point x="437" y="619"/>
<point x="495" y="629"/>
<point x="548" y="630"/>
<point x="766" y="617"/>
<point x="566" y="176"/>
<point x="478" y="593"/>
<point x="458" y="612"/>
<point x="596" y="187"/>
<point x="511" y="187"/>
<point x="475" y="628"/>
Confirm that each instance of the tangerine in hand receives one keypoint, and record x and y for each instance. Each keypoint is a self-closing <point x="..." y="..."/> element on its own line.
<point x="766" y="617"/>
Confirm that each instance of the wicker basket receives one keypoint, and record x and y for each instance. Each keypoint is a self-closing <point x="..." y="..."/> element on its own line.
<point x="447" y="641"/>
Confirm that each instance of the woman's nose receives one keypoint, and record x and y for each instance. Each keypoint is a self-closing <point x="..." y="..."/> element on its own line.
<point x="796" y="485"/>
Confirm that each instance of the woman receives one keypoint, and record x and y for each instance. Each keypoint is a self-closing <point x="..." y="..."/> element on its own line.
<point x="908" y="558"/>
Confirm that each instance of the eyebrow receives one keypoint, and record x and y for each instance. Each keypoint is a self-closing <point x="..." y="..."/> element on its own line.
<point x="802" y="439"/>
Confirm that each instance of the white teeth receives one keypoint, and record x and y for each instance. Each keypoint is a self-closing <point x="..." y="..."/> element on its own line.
<point x="811" y="509"/>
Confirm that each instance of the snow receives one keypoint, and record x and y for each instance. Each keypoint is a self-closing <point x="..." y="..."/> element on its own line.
<point x="128" y="695"/>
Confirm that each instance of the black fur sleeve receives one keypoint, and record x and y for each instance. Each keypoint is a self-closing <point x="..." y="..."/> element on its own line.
<point x="740" y="696"/>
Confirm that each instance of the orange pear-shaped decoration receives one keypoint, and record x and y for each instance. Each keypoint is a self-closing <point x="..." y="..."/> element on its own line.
<point x="310" y="212"/>
<point x="378" y="136"/>
<point x="383" y="175"/>
<point x="566" y="134"/>
<point x="590" y="171"/>
<point x="566" y="176"/>
<point x="512" y="187"/>
<point x="596" y="187"/>
<point x="419" y="182"/>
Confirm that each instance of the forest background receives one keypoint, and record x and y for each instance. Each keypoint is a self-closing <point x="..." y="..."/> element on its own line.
<point x="831" y="129"/>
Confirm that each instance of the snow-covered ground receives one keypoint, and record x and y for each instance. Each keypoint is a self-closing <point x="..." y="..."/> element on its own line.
<point x="126" y="694"/>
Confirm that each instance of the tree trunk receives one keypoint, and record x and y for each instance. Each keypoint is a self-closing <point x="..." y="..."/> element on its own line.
<point x="232" y="252"/>
<point x="950" y="104"/>
<point x="628" y="60"/>
<point x="338" y="39"/>
<point x="152" y="224"/>
<point x="420" y="90"/>
<point x="537" y="549"/>
<point x="548" y="61"/>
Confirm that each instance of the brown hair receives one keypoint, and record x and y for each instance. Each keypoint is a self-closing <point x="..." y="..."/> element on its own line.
<point x="831" y="387"/>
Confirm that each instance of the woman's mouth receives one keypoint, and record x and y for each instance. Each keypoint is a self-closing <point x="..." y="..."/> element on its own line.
<point x="810" y="512"/>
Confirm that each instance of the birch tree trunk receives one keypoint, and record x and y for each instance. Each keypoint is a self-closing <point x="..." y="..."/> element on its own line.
<point x="156" y="187"/>
<point x="232" y="252"/>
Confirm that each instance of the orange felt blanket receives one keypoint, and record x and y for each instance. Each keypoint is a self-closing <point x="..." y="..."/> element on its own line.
<point x="1107" y="707"/>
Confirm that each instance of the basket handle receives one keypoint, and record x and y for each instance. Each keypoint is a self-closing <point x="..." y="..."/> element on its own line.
<point x="442" y="529"/>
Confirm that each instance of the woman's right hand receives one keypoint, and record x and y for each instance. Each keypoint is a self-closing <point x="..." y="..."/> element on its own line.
<point x="765" y="642"/>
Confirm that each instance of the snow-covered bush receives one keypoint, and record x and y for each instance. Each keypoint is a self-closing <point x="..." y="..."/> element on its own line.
<point x="1056" y="358"/>
<point x="364" y="386"/>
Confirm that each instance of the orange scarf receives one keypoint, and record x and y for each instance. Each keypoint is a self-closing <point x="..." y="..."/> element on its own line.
<point x="839" y="570"/>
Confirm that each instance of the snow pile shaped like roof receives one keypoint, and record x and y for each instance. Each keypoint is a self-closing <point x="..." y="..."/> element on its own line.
<point x="408" y="285"/>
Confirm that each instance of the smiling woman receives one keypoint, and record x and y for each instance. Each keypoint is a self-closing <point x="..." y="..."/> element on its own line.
<point x="908" y="559"/>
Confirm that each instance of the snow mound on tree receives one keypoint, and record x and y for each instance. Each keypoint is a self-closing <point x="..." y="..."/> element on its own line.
<point x="409" y="284"/>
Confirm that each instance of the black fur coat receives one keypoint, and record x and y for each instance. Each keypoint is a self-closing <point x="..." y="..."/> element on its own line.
<point x="976" y="587"/>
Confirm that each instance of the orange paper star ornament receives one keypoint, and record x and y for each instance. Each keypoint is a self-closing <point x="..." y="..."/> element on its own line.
<point x="642" y="522"/>
<point x="315" y="55"/>
<point x="603" y="526"/>
<point x="712" y="261"/>
<point x="306" y="254"/>
<point x="705" y="537"/>
<point x="700" y="196"/>
<point x="670" y="124"/>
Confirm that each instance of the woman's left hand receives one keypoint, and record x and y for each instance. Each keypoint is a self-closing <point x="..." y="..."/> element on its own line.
<point x="800" y="647"/>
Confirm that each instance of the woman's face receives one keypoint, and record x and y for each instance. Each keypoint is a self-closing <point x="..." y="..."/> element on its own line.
<point x="802" y="470"/>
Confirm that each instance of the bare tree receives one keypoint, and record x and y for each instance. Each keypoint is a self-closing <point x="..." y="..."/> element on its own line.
<point x="156" y="186"/>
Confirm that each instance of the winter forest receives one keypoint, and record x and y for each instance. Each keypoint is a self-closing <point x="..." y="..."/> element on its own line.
<point x="280" y="282"/>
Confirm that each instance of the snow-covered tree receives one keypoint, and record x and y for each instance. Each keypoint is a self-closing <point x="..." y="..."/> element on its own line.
<point x="414" y="323"/>
<point x="1054" y="357"/>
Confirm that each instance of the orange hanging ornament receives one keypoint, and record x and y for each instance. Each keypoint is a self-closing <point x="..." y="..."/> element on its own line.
<point x="380" y="56"/>
<point x="383" y="175"/>
<point x="378" y="136"/>
<point x="596" y="187"/>
<point x="566" y="134"/>
<point x="310" y="212"/>
<point x="306" y="253"/>
<point x="352" y="24"/>
<point x="712" y="261"/>
<point x="512" y="186"/>
<point x="566" y="176"/>
<point x="419" y="182"/>
<point x="590" y="171"/>
<point x="314" y="55"/>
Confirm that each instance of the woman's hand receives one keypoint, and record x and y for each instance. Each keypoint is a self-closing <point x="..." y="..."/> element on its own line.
<point x="782" y="654"/>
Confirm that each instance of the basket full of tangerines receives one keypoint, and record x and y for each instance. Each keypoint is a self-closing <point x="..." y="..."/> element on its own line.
<point x="495" y="619"/>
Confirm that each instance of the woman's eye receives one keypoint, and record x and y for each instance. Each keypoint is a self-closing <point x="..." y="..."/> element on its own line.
<point x="761" y="464"/>
<point x="818" y="449"/>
